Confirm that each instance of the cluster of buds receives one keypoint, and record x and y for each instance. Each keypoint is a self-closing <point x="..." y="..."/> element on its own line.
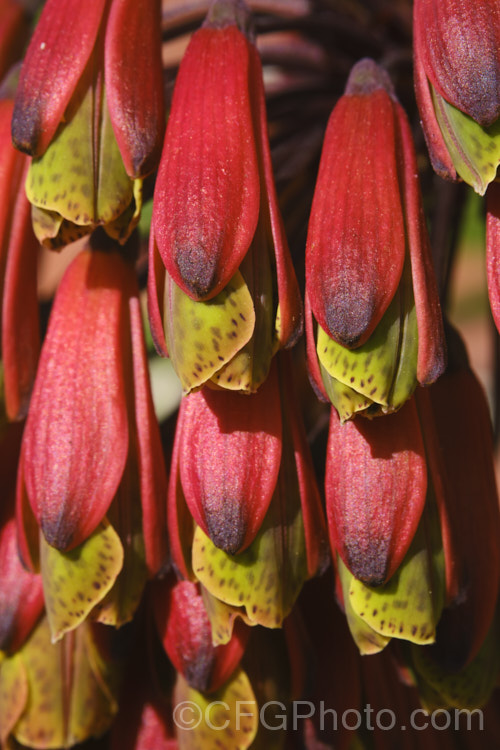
<point x="248" y="569"/>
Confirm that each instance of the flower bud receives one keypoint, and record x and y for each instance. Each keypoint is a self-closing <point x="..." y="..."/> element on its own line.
<point x="370" y="283"/>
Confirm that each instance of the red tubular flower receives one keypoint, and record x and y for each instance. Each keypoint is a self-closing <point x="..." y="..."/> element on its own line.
<point x="457" y="82"/>
<point x="458" y="43"/>
<point x="91" y="419"/>
<point x="89" y="109"/>
<point x="186" y="634"/>
<point x="132" y="77"/>
<point x="215" y="206"/>
<point x="456" y="424"/>
<point x="376" y="483"/>
<point x="369" y="276"/>
<point x="18" y="262"/>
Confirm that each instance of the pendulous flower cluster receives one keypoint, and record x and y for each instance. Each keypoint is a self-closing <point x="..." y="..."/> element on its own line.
<point x="206" y="166"/>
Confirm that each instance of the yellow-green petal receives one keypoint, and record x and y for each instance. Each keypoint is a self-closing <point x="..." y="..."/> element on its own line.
<point x="367" y="640"/>
<point x="409" y="605"/>
<point x="80" y="181"/>
<point x="204" y="336"/>
<point x="13" y="692"/>
<point x="222" y="617"/>
<point x="75" y="581"/>
<point x="66" y="704"/>
<point x="218" y="720"/>
<point x="474" y="150"/>
<point x="469" y="688"/>
<point x="267" y="577"/>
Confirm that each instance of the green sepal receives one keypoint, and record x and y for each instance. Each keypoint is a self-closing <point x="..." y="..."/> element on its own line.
<point x="470" y="688"/>
<point x="366" y="639"/>
<point x="217" y="720"/>
<point x="409" y="605"/>
<point x="266" y="578"/>
<point x="202" y="337"/>
<point x="66" y="704"/>
<point x="75" y="581"/>
<point x="474" y="149"/>
<point x="80" y="181"/>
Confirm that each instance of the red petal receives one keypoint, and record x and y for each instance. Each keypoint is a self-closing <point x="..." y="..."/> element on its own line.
<point x="312" y="358"/>
<point x="431" y="361"/>
<point x="134" y="82"/>
<point x="356" y="243"/>
<point x="438" y="151"/>
<point x="60" y="47"/>
<point x="459" y="44"/>
<point x="27" y="528"/>
<point x="76" y="438"/>
<point x="291" y="323"/>
<point x="376" y="483"/>
<point x="229" y="460"/>
<point x="20" y="319"/>
<point x="312" y="511"/>
<point x="18" y="263"/>
<point x="456" y="420"/>
<point x="179" y="520"/>
<point x="156" y="289"/>
<point x="493" y="249"/>
<point x="186" y="633"/>
<point x="207" y="194"/>
<point x="153" y="478"/>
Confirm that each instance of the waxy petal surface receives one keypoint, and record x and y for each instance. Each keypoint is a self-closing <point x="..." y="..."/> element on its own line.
<point x="376" y="482"/>
<point x="76" y="438"/>
<point x="230" y="457"/>
<point x="459" y="42"/>
<point x="207" y="193"/>
<point x="49" y="74"/>
<point x="134" y="82"/>
<point x="356" y="243"/>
